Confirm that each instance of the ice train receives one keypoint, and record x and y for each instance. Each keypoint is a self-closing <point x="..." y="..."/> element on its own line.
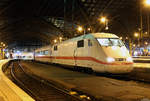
<point x="101" y="52"/>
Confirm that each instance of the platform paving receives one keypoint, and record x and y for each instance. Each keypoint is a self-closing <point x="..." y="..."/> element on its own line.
<point x="8" y="90"/>
<point x="141" y="65"/>
<point x="142" y="59"/>
<point x="103" y="88"/>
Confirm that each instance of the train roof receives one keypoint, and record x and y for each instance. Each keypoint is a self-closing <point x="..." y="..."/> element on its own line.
<point x="93" y="35"/>
<point x="104" y="35"/>
<point x="43" y="48"/>
<point x="86" y="36"/>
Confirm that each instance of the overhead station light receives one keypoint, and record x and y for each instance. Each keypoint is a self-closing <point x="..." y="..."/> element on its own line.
<point x="136" y="34"/>
<point x="55" y="41"/>
<point x="147" y="2"/>
<point x="103" y="19"/>
<point x="80" y="29"/>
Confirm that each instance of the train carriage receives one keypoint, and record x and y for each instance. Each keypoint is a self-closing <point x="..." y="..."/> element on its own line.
<point x="102" y="52"/>
<point x="43" y="54"/>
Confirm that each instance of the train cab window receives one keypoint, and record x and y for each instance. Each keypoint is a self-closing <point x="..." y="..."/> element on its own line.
<point x="80" y="43"/>
<point x="89" y="43"/>
<point x="110" y="42"/>
<point x="55" y="48"/>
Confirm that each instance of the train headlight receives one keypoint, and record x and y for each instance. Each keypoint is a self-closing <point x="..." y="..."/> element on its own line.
<point x="129" y="59"/>
<point x="110" y="59"/>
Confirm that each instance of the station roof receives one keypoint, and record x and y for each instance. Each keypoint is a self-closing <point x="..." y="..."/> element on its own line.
<point x="40" y="21"/>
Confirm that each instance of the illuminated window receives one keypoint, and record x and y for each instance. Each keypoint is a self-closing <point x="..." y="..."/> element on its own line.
<point x="46" y="52"/>
<point x="42" y="53"/>
<point x="110" y="42"/>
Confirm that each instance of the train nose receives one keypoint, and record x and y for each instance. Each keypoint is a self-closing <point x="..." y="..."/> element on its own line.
<point x="110" y="59"/>
<point x="119" y="68"/>
<point x="116" y="52"/>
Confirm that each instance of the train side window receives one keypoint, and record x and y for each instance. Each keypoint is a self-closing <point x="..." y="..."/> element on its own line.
<point x="46" y="52"/>
<point x="80" y="43"/>
<point x="89" y="43"/>
<point x="55" y="48"/>
<point x="41" y="52"/>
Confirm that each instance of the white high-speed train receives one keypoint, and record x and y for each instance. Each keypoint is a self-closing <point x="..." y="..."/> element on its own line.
<point x="102" y="52"/>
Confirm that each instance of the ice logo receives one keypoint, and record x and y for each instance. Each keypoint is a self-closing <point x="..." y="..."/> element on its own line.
<point x="145" y="99"/>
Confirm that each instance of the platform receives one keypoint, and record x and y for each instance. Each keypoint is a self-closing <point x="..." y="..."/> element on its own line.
<point x="101" y="87"/>
<point x="142" y="62"/>
<point x="141" y="59"/>
<point x="141" y="65"/>
<point x="8" y="90"/>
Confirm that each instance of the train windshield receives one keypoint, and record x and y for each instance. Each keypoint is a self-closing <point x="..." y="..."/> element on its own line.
<point x="110" y="42"/>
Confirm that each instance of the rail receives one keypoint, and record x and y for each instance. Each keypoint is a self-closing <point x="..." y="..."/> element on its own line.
<point x="39" y="89"/>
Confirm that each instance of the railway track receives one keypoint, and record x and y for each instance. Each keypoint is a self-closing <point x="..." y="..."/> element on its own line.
<point x="47" y="91"/>
<point x="39" y="89"/>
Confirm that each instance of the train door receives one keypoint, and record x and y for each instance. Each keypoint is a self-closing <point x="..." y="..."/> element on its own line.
<point x="50" y="54"/>
<point x="54" y="53"/>
<point x="75" y="55"/>
<point x="79" y="53"/>
<point x="89" y="49"/>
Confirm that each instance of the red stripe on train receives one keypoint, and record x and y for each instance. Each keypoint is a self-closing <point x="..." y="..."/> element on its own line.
<point x="84" y="58"/>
